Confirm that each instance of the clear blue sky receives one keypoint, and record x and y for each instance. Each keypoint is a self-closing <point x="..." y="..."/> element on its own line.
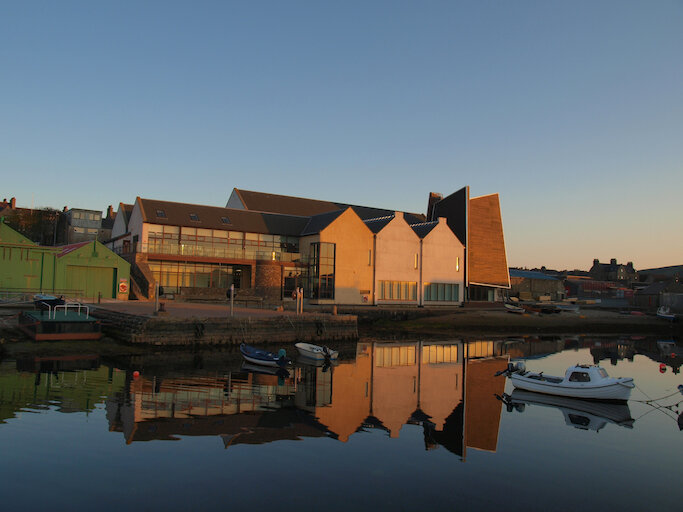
<point x="571" y="110"/>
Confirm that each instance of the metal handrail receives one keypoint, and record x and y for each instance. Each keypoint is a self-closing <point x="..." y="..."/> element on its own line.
<point x="273" y="254"/>
<point x="65" y="306"/>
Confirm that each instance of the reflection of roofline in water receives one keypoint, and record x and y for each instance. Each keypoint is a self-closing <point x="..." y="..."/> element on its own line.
<point x="246" y="428"/>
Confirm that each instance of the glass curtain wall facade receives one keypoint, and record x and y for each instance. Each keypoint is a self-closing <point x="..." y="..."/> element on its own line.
<point x="213" y="243"/>
<point x="174" y="275"/>
<point x="321" y="270"/>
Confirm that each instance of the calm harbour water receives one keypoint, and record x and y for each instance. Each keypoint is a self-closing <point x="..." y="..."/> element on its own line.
<point x="393" y="426"/>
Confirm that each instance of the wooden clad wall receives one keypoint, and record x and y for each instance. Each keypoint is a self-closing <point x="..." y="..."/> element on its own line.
<point x="486" y="251"/>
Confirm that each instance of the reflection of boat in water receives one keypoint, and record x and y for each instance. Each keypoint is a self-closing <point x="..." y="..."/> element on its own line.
<point x="263" y="357"/>
<point x="581" y="414"/>
<point x="302" y="362"/>
<point x="580" y="381"/>
<point x="265" y="370"/>
<point x="316" y="352"/>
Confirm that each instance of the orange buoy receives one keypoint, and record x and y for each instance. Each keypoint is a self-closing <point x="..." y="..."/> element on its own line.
<point x="136" y="374"/>
<point x="662" y="368"/>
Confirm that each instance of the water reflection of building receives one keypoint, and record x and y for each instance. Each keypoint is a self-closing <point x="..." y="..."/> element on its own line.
<point x="66" y="384"/>
<point x="387" y="386"/>
<point x="239" y="403"/>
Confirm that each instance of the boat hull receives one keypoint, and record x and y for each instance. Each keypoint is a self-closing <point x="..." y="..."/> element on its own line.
<point x="617" y="389"/>
<point x="315" y="352"/>
<point x="262" y="357"/>
<point x="595" y="411"/>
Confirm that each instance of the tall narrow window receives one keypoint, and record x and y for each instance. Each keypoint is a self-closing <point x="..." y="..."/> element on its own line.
<point x="457" y="263"/>
<point x="321" y="271"/>
<point x="370" y="257"/>
<point x="415" y="262"/>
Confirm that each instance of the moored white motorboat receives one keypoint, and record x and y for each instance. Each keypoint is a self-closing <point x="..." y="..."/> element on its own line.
<point x="580" y="381"/>
<point x="316" y="352"/>
<point x="665" y="313"/>
<point x="512" y="308"/>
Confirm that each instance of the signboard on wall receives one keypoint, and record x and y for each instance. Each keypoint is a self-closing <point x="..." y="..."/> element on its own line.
<point x="123" y="285"/>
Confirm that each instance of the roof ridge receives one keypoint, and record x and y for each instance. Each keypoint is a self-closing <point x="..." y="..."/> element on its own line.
<point x="385" y="217"/>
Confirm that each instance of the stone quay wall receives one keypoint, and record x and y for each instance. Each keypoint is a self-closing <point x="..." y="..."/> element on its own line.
<point x="169" y="331"/>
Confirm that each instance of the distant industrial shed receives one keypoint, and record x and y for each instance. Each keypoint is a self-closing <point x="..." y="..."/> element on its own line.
<point x="532" y="285"/>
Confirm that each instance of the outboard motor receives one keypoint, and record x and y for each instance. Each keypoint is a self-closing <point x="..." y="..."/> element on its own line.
<point x="519" y="366"/>
<point x="512" y="368"/>
<point x="282" y="360"/>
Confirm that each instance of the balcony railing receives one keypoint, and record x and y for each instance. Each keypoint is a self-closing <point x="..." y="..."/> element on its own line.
<point x="211" y="252"/>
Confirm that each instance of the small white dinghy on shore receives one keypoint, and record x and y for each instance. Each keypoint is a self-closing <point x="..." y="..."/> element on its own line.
<point x="580" y="381"/>
<point x="316" y="352"/>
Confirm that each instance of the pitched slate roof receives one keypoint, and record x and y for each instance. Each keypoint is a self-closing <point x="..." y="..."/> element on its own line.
<point x="376" y="225"/>
<point x="670" y="286"/>
<point x="663" y="271"/>
<point x="288" y="205"/>
<point x="276" y="203"/>
<point x="424" y="228"/>
<point x="126" y="210"/>
<point x="211" y="217"/>
<point x="319" y="222"/>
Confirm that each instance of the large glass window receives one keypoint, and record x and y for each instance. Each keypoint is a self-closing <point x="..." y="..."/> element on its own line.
<point x="394" y="356"/>
<point x="397" y="290"/>
<point x="441" y="292"/>
<point x="173" y="276"/>
<point x="439" y="354"/>
<point x="321" y="272"/>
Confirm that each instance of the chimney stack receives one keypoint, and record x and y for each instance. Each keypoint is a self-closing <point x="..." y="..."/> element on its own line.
<point x="434" y="197"/>
<point x="110" y="212"/>
<point x="13" y="203"/>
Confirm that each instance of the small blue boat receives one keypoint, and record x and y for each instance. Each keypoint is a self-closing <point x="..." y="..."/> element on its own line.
<point x="46" y="302"/>
<point x="263" y="357"/>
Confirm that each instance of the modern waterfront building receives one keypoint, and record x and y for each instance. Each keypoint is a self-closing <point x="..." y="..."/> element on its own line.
<point x="478" y="224"/>
<point x="267" y="245"/>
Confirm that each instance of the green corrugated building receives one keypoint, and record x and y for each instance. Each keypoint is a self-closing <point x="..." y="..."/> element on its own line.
<point x="86" y="269"/>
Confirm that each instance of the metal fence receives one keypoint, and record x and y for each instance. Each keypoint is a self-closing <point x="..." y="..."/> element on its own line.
<point x="19" y="295"/>
<point x="209" y="252"/>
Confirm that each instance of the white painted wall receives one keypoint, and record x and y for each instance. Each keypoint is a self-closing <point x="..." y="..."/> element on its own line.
<point x="135" y="224"/>
<point x="441" y="251"/>
<point x="397" y="256"/>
